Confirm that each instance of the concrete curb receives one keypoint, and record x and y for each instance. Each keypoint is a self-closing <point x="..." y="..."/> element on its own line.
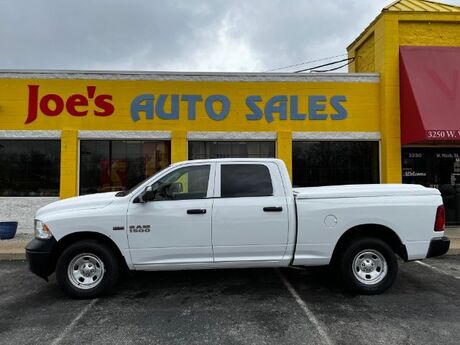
<point x="12" y="256"/>
<point x="453" y="251"/>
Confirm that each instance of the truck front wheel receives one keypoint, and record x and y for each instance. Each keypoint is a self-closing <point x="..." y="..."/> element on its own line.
<point x="368" y="266"/>
<point x="87" y="269"/>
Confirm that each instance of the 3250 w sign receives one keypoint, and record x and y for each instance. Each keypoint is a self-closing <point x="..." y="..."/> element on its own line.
<point x="443" y="134"/>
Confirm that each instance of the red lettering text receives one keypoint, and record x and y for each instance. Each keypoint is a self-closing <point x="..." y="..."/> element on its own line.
<point x="33" y="103"/>
<point x="75" y="101"/>
<point x="102" y="102"/>
<point x="76" y="105"/>
<point x="45" y="104"/>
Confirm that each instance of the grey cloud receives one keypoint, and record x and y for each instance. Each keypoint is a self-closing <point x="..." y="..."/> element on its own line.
<point x="208" y="35"/>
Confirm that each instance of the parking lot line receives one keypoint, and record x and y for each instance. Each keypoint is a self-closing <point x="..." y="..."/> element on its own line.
<point x="74" y="322"/>
<point x="311" y="317"/>
<point x="436" y="269"/>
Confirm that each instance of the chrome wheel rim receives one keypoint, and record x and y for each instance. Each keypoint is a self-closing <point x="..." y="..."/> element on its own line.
<point x="85" y="271"/>
<point x="369" y="267"/>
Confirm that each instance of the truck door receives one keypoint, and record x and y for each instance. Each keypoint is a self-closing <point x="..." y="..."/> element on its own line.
<point x="250" y="216"/>
<point x="174" y="227"/>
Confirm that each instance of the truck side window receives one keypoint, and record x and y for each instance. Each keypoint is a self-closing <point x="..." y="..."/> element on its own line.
<point x="245" y="180"/>
<point x="183" y="184"/>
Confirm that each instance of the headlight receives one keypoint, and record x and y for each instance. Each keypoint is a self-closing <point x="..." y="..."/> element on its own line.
<point x="41" y="230"/>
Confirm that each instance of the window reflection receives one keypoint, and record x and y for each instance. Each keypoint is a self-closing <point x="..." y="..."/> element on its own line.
<point x="113" y="165"/>
<point x="29" y="167"/>
<point x="320" y="163"/>
<point x="231" y="149"/>
<point x="437" y="167"/>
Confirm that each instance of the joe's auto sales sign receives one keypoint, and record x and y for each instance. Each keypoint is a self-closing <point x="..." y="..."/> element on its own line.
<point x="168" y="106"/>
<point x="36" y="104"/>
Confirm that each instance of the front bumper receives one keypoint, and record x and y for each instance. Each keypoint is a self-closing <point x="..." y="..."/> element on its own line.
<point x="438" y="246"/>
<point x="41" y="258"/>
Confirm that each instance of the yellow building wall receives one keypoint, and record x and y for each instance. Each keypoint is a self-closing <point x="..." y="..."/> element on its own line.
<point x="179" y="149"/>
<point x="69" y="163"/>
<point x="284" y="149"/>
<point x="429" y="33"/>
<point x="365" y="57"/>
<point x="362" y="106"/>
<point x="390" y="30"/>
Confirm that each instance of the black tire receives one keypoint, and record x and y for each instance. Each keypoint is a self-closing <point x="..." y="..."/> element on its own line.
<point x="368" y="253"/>
<point x="90" y="253"/>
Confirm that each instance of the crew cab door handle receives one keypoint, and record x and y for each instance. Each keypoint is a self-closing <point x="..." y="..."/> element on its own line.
<point x="196" y="211"/>
<point x="273" y="209"/>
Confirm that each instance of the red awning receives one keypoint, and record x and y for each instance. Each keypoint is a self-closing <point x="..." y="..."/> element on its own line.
<point x="430" y="94"/>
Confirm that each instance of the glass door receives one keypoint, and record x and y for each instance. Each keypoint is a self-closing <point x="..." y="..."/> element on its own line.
<point x="437" y="168"/>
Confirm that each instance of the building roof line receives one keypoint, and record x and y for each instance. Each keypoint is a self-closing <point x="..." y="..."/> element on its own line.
<point x="390" y="5"/>
<point x="420" y="6"/>
<point x="434" y="8"/>
<point x="190" y="76"/>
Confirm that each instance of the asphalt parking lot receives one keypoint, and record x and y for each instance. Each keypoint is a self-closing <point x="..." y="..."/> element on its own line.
<point x="262" y="306"/>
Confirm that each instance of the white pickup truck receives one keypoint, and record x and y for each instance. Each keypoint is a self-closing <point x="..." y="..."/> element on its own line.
<point x="228" y="213"/>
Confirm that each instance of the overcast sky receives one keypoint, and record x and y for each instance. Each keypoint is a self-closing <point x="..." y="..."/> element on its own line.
<point x="179" y="35"/>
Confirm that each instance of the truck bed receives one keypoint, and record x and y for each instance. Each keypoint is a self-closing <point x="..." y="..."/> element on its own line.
<point x="362" y="190"/>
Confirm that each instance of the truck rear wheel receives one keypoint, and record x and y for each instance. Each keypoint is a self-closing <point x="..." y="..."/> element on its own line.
<point x="87" y="269"/>
<point x="368" y="266"/>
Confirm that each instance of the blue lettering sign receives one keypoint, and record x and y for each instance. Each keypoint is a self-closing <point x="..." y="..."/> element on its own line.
<point x="217" y="107"/>
<point x="160" y="107"/>
<point x="295" y="115"/>
<point x="316" y="104"/>
<point x="191" y="105"/>
<point x="339" y="108"/>
<point x="256" y="111"/>
<point x="225" y="107"/>
<point x="276" y="104"/>
<point x="142" y="103"/>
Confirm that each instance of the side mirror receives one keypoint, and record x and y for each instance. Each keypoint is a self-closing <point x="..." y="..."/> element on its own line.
<point x="147" y="195"/>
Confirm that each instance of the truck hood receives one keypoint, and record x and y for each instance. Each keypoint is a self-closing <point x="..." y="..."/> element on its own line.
<point x="362" y="190"/>
<point x="90" y="201"/>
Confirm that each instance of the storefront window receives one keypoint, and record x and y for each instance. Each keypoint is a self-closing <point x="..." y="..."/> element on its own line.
<point x="113" y="165"/>
<point x="437" y="168"/>
<point x="231" y="149"/>
<point x="29" y="167"/>
<point x="320" y="163"/>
